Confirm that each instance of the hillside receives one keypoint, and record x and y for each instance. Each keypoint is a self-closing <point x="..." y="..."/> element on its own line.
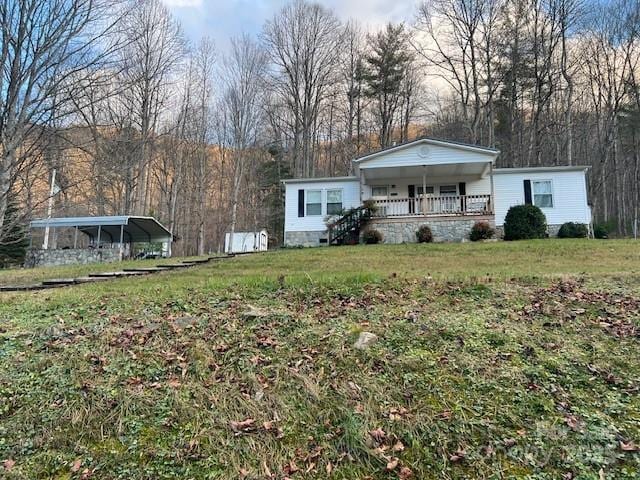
<point x="495" y="360"/>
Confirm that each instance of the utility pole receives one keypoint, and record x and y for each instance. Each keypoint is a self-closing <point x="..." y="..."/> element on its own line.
<point x="52" y="192"/>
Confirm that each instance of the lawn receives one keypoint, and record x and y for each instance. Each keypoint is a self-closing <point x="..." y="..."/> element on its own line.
<point x="495" y="360"/>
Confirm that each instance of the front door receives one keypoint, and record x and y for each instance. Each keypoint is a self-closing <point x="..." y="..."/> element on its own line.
<point x="412" y="199"/>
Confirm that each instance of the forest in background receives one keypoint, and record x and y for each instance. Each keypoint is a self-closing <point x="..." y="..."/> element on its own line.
<point x="137" y="120"/>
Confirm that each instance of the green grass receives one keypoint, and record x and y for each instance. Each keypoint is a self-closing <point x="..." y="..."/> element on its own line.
<point x="495" y="360"/>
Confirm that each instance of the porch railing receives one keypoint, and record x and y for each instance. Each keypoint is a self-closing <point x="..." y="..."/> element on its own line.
<point x="429" y="205"/>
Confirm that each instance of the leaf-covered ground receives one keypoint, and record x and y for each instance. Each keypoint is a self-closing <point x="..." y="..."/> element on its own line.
<point x="210" y="373"/>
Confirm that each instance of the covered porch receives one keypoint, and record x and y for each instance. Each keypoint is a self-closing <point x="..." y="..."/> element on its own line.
<point x="444" y="190"/>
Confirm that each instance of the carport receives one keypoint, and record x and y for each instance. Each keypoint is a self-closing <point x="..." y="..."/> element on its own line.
<point x="113" y="230"/>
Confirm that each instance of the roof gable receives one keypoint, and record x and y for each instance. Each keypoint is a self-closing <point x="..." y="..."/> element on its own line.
<point x="427" y="151"/>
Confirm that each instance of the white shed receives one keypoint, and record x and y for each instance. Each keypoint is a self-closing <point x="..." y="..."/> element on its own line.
<point x="246" y="242"/>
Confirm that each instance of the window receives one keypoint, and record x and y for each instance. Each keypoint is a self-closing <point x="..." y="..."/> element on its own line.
<point x="314" y="202"/>
<point x="380" y="191"/>
<point x="429" y="190"/>
<point x="448" y="190"/>
<point x="542" y="194"/>
<point x="334" y="202"/>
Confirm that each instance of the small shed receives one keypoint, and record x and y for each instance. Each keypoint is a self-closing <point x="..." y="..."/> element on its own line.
<point x="246" y="242"/>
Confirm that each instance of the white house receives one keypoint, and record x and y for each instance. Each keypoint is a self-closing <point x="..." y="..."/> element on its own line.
<point x="446" y="185"/>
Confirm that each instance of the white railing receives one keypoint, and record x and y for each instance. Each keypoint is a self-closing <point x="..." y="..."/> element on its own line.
<point x="433" y="205"/>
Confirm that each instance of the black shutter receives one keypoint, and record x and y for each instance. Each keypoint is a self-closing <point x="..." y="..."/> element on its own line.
<point x="527" y="192"/>
<point x="412" y="196"/>
<point x="301" y="203"/>
<point x="462" y="190"/>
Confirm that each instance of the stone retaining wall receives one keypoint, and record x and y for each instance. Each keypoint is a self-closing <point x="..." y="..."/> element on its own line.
<point x="70" y="256"/>
<point x="444" y="229"/>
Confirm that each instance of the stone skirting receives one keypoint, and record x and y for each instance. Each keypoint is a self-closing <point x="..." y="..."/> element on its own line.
<point x="70" y="256"/>
<point x="444" y="229"/>
<point x="305" y="239"/>
<point x="552" y="231"/>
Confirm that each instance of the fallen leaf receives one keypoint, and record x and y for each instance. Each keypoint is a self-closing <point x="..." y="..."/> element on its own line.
<point x="392" y="464"/>
<point x="328" y="468"/>
<point x="509" y="442"/>
<point x="405" y="473"/>
<point x="378" y="434"/>
<point x="8" y="464"/>
<point x="242" y="426"/>
<point x="629" y="446"/>
<point x="75" y="467"/>
<point x="398" y="447"/>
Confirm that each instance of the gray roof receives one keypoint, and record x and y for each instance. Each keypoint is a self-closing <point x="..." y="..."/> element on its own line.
<point x="438" y="141"/>
<point x="135" y="228"/>
<point x="554" y="168"/>
<point x="320" y="179"/>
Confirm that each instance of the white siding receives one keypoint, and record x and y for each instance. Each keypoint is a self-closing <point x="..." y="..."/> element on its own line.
<point x="315" y="223"/>
<point x="569" y="195"/>
<point x="475" y="185"/>
<point x="436" y="155"/>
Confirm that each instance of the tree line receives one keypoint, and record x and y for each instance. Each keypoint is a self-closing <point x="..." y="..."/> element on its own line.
<point x="135" y="119"/>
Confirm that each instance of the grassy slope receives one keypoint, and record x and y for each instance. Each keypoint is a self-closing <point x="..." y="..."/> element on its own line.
<point x="500" y="366"/>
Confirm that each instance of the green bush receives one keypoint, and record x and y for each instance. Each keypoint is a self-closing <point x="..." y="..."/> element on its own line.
<point x="371" y="236"/>
<point x="524" y="222"/>
<point x="424" y="235"/>
<point x="481" y="230"/>
<point x="601" y="231"/>
<point x="573" y="230"/>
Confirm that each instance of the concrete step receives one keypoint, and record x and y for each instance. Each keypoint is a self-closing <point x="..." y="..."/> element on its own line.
<point x="58" y="281"/>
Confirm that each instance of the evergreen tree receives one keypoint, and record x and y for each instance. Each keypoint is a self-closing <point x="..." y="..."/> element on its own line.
<point x="387" y="65"/>
<point x="13" y="246"/>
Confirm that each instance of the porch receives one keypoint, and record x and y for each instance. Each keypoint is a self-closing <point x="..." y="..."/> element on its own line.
<point x="462" y="188"/>
<point x="433" y="206"/>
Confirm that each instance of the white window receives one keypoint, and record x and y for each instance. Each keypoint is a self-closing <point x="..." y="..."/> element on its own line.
<point x="334" y="202"/>
<point x="542" y="193"/>
<point x="429" y="189"/>
<point x="380" y="191"/>
<point x="448" y="190"/>
<point x="314" y="202"/>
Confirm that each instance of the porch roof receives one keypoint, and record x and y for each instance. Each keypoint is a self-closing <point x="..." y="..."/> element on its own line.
<point x="134" y="228"/>
<point x="475" y="169"/>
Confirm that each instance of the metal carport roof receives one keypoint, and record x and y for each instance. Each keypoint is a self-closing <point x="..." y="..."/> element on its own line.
<point x="135" y="228"/>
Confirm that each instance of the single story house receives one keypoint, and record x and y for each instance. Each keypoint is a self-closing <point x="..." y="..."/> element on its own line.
<point x="446" y="185"/>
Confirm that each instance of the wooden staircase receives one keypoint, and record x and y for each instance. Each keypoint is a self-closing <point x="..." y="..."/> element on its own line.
<point x="347" y="228"/>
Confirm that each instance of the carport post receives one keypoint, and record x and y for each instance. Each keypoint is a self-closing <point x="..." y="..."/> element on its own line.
<point x="75" y="238"/>
<point x="121" y="240"/>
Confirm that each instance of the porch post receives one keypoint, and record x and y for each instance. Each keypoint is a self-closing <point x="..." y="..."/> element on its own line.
<point x="121" y="246"/>
<point x="99" y="232"/>
<point x="493" y="195"/>
<point x="75" y="238"/>
<point x="423" y="203"/>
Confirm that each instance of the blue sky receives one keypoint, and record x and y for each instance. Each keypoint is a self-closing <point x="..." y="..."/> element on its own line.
<point x="223" y="19"/>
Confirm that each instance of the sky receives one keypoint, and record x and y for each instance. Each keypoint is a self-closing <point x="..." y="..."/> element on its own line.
<point x="223" y="19"/>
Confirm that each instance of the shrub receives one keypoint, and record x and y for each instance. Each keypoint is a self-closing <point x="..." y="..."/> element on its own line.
<point x="600" y="231"/>
<point x="573" y="230"/>
<point x="525" y="222"/>
<point x="424" y="234"/>
<point x="371" y="236"/>
<point x="481" y="230"/>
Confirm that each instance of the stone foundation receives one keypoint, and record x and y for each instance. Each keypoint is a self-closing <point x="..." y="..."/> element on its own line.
<point x="444" y="229"/>
<point x="305" y="239"/>
<point x="70" y="256"/>
<point x="552" y="231"/>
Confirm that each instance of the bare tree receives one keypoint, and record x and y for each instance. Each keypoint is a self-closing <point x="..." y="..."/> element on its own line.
<point x="46" y="48"/>
<point x="243" y="73"/>
<point x="155" y="47"/>
<point x="303" y="42"/>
